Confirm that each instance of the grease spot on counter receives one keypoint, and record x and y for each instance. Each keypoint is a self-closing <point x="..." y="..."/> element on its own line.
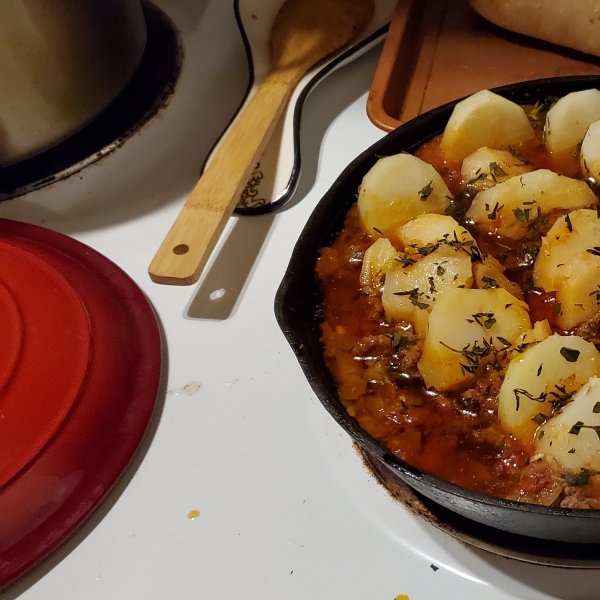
<point x="193" y="514"/>
<point x="402" y="597"/>
<point x="189" y="389"/>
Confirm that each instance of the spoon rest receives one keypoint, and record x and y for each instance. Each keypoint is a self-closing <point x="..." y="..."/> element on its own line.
<point x="274" y="179"/>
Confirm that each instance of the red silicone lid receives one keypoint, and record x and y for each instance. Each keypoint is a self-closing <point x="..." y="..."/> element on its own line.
<point x="47" y="334"/>
<point x="80" y="369"/>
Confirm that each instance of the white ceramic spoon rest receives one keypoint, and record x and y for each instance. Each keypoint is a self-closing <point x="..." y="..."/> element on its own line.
<point x="275" y="177"/>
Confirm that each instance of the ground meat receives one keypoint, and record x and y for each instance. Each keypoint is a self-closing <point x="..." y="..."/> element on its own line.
<point x="590" y="329"/>
<point x="405" y="360"/>
<point x="574" y="500"/>
<point x="377" y="345"/>
<point x="541" y="483"/>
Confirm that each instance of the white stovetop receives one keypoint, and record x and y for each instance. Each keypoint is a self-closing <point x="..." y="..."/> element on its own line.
<point x="287" y="509"/>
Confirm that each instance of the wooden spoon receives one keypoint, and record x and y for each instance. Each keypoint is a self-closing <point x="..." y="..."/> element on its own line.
<point x="303" y="33"/>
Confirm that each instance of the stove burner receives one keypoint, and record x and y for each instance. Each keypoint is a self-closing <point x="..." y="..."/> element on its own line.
<point x="509" y="545"/>
<point x="147" y="92"/>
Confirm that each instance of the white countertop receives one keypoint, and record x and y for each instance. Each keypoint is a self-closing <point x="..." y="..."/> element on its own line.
<point x="286" y="508"/>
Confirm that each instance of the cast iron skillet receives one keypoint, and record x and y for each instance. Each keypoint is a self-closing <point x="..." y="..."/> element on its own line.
<point x="297" y="308"/>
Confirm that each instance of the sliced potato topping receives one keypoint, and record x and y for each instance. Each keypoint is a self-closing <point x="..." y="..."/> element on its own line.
<point x="484" y="119"/>
<point x="378" y="258"/>
<point x="510" y="208"/>
<point x="397" y="189"/>
<point x="486" y="167"/>
<point x="541" y="330"/>
<point x="467" y="329"/>
<point x="409" y="293"/>
<point x="571" y="437"/>
<point x="569" y="264"/>
<point x="589" y="157"/>
<point x="432" y="228"/>
<point x="545" y="375"/>
<point x="490" y="274"/>
<point x="568" y="120"/>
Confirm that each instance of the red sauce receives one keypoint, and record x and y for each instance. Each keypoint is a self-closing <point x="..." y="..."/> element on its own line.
<point x="456" y="436"/>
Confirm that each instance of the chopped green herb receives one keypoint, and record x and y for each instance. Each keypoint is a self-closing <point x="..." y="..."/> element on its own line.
<point x="431" y="285"/>
<point x="496" y="171"/>
<point x="504" y="341"/>
<point x="576" y="428"/>
<point x="522" y="214"/>
<point x="561" y="397"/>
<point x="426" y="191"/>
<point x="596" y="293"/>
<point x="486" y="320"/>
<point x="569" y="354"/>
<point x="413" y="296"/>
<point x="489" y="283"/>
<point x="401" y="342"/>
<point x="492" y="216"/>
<point x="568" y="223"/>
<point x="518" y="392"/>
<point x="578" y="479"/>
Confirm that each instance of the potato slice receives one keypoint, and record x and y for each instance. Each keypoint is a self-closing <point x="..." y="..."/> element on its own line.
<point x="568" y="120"/>
<point x="490" y="274"/>
<point x="589" y="157"/>
<point x="511" y="207"/>
<point x="432" y="228"/>
<point x="484" y="119"/>
<point x="541" y="330"/>
<point x="397" y="189"/>
<point x="378" y="258"/>
<point x="578" y="290"/>
<point x="546" y="373"/>
<point x="571" y="436"/>
<point x="486" y="167"/>
<point x="569" y="264"/>
<point x="467" y="327"/>
<point x="410" y="293"/>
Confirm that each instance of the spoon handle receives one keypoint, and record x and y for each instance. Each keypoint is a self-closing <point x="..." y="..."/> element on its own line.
<point x="187" y="246"/>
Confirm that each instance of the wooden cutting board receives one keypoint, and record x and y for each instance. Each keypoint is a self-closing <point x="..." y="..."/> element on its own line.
<point x="440" y="50"/>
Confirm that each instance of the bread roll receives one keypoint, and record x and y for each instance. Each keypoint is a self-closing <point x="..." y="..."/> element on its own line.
<point x="575" y="24"/>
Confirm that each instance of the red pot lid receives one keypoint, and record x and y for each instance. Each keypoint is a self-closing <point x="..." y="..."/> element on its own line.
<point x="80" y="366"/>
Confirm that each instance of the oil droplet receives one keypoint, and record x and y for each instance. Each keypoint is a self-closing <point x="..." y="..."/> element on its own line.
<point x="402" y="597"/>
<point x="193" y="514"/>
